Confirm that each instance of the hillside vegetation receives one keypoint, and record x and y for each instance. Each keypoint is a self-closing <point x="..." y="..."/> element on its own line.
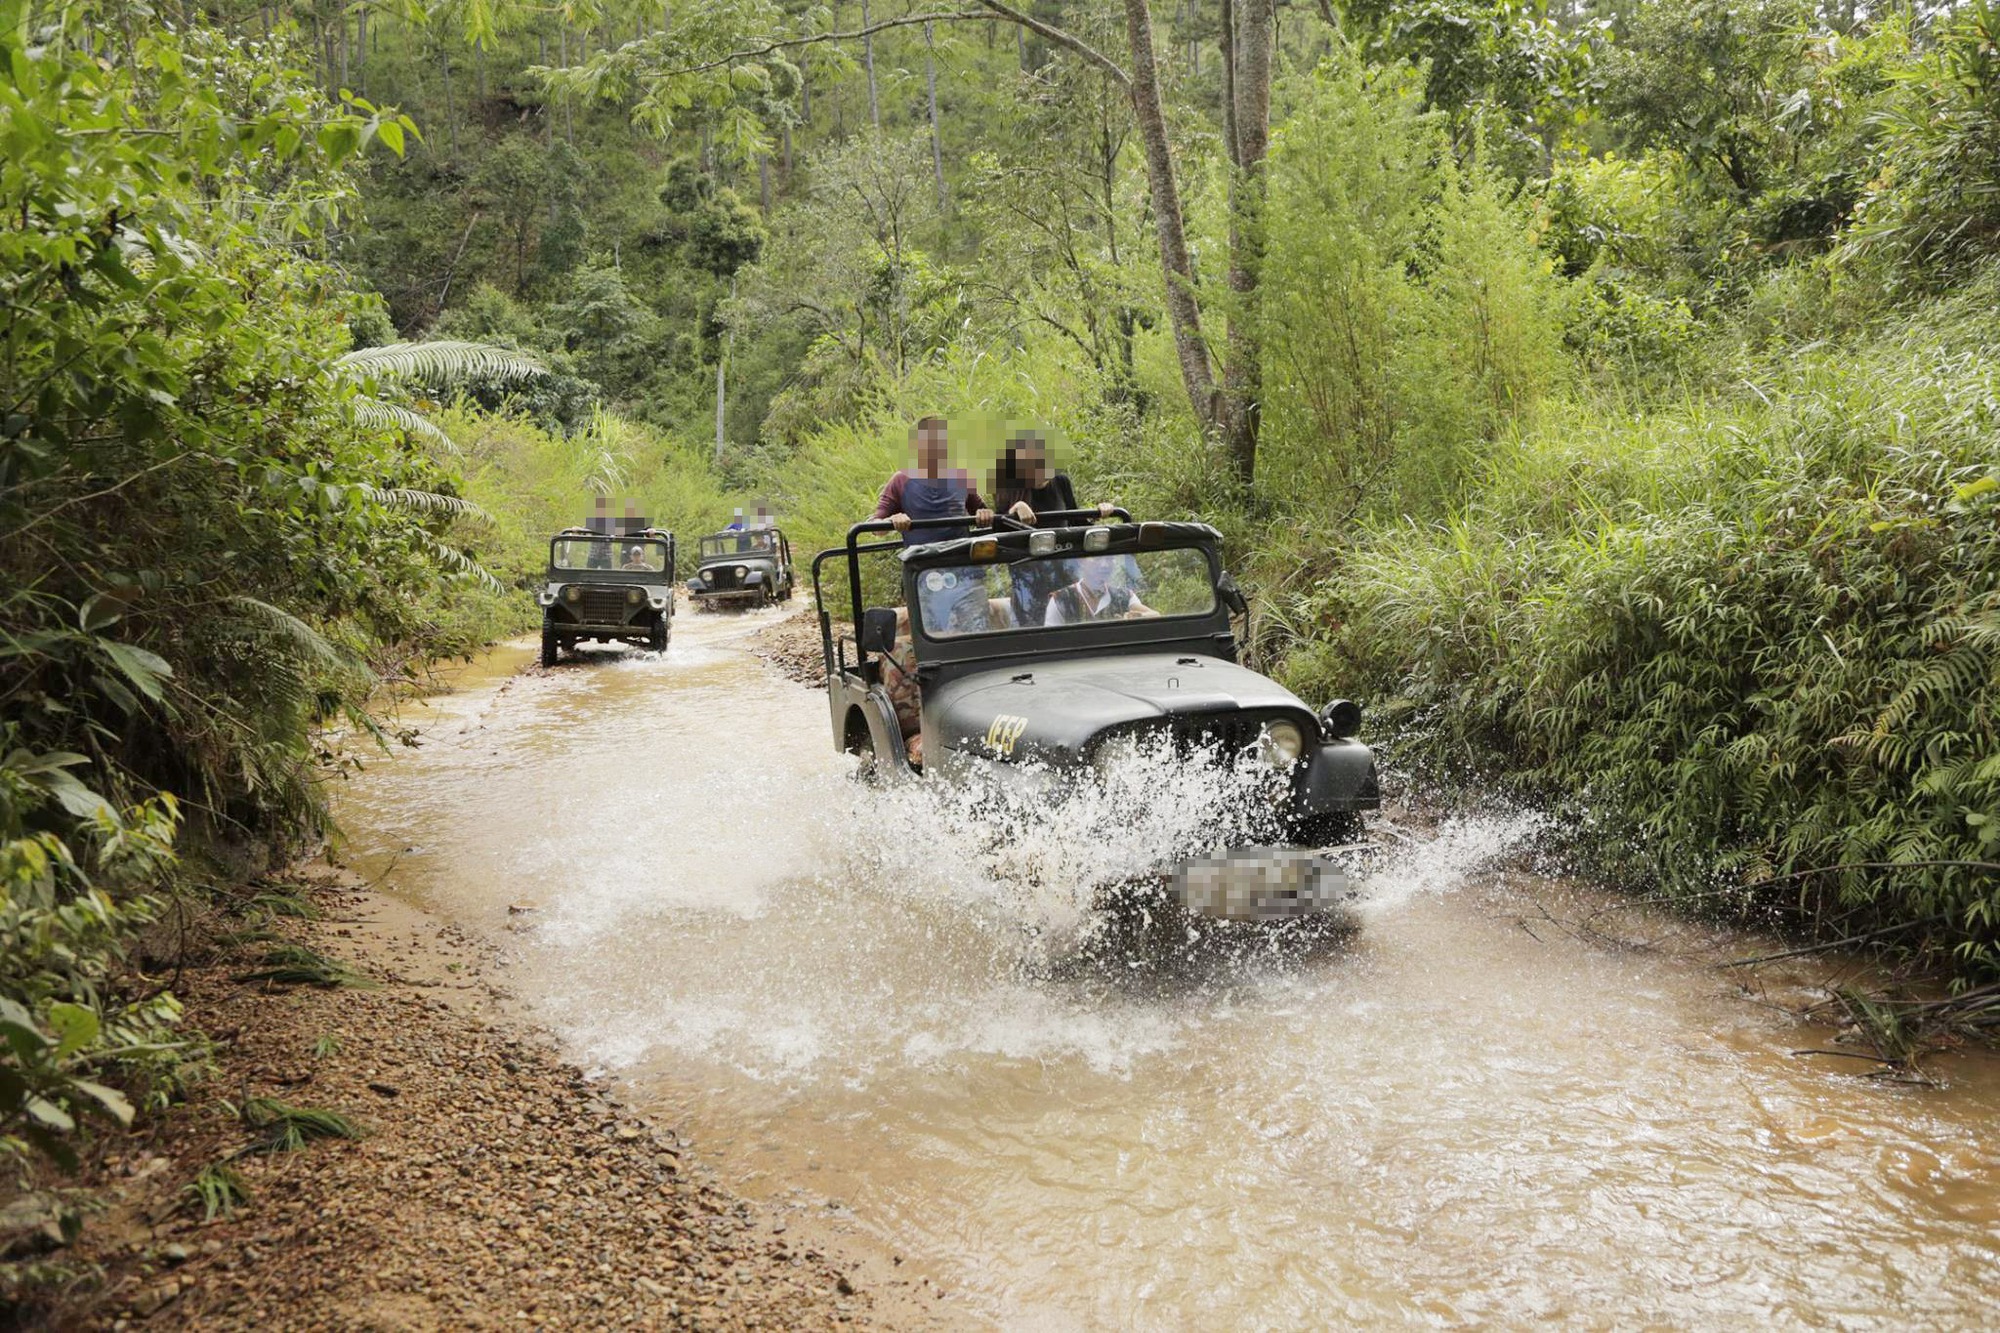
<point x="1605" y="393"/>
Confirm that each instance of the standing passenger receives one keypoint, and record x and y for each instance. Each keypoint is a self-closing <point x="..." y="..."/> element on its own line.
<point x="953" y="600"/>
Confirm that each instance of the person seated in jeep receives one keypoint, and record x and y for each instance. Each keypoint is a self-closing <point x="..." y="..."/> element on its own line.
<point x="636" y="561"/>
<point x="1094" y="596"/>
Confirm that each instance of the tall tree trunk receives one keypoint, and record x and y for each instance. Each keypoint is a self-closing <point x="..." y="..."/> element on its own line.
<point x="764" y="182"/>
<point x="937" y="141"/>
<point x="361" y="45"/>
<point x="868" y="58"/>
<point x="1230" y="147"/>
<point x="341" y="19"/>
<point x="562" y="55"/>
<point x="329" y="71"/>
<point x="450" y="126"/>
<point x="1243" y="366"/>
<point x="1182" y="310"/>
<point x="785" y="138"/>
<point x="721" y="379"/>
<point x="805" y="96"/>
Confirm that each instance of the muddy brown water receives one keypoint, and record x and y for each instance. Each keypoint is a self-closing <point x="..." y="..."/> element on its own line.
<point x="1446" y="1119"/>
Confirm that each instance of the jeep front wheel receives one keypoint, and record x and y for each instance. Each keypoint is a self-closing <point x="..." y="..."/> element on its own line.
<point x="656" y="638"/>
<point x="551" y="647"/>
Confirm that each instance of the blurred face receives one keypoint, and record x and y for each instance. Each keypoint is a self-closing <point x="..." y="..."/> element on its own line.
<point x="1033" y="464"/>
<point x="1094" y="572"/>
<point x="931" y="449"/>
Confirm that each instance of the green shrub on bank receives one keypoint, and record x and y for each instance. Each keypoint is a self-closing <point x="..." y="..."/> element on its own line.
<point x="213" y="530"/>
<point x="1735" y="641"/>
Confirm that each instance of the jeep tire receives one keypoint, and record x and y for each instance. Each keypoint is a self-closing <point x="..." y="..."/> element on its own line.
<point x="656" y="638"/>
<point x="551" y="645"/>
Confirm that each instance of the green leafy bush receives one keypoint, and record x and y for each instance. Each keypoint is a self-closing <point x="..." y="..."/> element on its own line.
<point x="1732" y="643"/>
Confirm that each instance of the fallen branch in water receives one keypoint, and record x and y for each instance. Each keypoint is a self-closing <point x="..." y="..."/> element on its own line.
<point x="1828" y="946"/>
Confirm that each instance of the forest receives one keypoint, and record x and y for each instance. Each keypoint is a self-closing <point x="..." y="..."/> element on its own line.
<point x="1607" y="393"/>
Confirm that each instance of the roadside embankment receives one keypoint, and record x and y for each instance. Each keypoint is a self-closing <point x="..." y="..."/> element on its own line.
<point x="792" y="648"/>
<point x="491" y="1183"/>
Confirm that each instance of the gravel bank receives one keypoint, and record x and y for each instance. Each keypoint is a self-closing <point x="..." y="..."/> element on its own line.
<point x="494" y="1186"/>
<point x="792" y="648"/>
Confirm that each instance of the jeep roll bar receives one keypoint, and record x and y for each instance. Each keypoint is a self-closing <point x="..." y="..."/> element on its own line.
<point x="853" y="550"/>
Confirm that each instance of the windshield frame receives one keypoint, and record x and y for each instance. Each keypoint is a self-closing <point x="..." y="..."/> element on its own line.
<point x="662" y="546"/>
<point x="704" y="556"/>
<point x="1049" y="640"/>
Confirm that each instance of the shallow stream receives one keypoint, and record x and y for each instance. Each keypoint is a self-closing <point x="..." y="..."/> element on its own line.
<point x="1467" y="1112"/>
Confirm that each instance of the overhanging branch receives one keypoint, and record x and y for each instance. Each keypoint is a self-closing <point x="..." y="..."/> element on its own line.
<point x="1063" y="39"/>
<point x="990" y="10"/>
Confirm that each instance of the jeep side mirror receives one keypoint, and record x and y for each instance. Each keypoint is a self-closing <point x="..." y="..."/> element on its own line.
<point x="1232" y="596"/>
<point x="878" y="630"/>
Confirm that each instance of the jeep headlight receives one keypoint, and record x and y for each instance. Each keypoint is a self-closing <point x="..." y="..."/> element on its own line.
<point x="743" y="571"/>
<point x="1283" y="744"/>
<point x="633" y="596"/>
<point x="572" y="593"/>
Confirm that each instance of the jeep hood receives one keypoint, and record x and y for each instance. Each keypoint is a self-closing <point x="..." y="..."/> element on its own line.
<point x="1055" y="709"/>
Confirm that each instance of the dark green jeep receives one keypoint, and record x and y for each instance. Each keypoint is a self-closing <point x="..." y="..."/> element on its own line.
<point x="744" y="566"/>
<point x="1055" y="642"/>
<point x="613" y="589"/>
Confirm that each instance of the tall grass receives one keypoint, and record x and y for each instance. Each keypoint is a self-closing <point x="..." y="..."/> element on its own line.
<point x="1741" y="641"/>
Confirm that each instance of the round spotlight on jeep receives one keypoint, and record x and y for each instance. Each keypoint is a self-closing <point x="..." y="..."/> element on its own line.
<point x="1283" y="744"/>
<point x="1342" y="719"/>
<point x="634" y="596"/>
<point x="572" y="593"/>
<point x="743" y="571"/>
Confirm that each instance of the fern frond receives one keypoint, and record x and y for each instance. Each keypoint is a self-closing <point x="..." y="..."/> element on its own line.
<point x="439" y="363"/>
<point x="459" y="563"/>
<point x="376" y="414"/>
<point x="425" y="502"/>
<point x="307" y="642"/>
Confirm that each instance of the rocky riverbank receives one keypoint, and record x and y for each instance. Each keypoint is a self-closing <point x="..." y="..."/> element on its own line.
<point x="792" y="648"/>
<point x="491" y="1183"/>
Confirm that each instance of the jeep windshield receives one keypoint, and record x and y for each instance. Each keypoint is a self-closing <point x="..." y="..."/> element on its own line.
<point x="1014" y="592"/>
<point x="635" y="555"/>
<point x="725" y="544"/>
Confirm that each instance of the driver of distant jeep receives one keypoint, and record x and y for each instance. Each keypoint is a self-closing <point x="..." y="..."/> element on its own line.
<point x="1094" y="596"/>
<point x="635" y="560"/>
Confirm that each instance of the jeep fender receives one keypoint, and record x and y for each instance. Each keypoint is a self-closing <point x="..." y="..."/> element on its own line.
<point x="1341" y="776"/>
<point x="872" y="715"/>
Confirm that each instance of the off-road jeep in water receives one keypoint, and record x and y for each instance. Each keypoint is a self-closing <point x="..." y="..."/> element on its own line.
<point x="1058" y="642"/>
<point x="743" y="566"/>
<point x="613" y="589"/>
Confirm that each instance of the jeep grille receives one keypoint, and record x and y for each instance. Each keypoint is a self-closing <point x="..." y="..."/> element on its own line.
<point x="721" y="577"/>
<point x="603" y="606"/>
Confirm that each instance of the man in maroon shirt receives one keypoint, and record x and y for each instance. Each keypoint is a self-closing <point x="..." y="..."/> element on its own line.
<point x="953" y="600"/>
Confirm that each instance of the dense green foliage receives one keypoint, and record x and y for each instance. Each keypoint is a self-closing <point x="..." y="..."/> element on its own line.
<point x="213" y="525"/>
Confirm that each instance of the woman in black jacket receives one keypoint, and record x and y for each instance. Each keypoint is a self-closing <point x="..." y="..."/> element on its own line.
<point x="1026" y="484"/>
